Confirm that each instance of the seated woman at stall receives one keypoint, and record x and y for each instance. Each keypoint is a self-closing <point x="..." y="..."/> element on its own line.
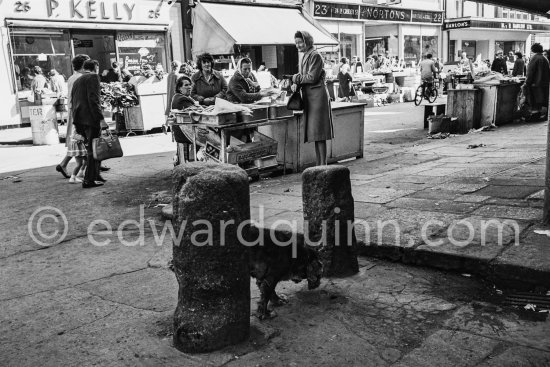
<point x="208" y="84"/>
<point x="181" y="100"/>
<point x="243" y="86"/>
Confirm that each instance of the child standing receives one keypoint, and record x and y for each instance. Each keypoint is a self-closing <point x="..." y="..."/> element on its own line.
<point x="77" y="149"/>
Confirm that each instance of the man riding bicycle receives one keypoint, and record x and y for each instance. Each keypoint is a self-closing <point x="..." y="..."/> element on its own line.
<point x="428" y="72"/>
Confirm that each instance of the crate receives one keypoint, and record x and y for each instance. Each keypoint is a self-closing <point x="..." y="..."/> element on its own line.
<point x="279" y="111"/>
<point x="259" y="113"/>
<point x="222" y="119"/>
<point x="133" y="118"/>
<point x="185" y="118"/>
<point x="262" y="146"/>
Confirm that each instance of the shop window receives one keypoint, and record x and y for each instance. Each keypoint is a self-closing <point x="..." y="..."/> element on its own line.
<point x="412" y="50"/>
<point x="49" y="49"/>
<point x="347" y="45"/>
<point x="509" y="46"/>
<point x="136" y="49"/>
<point x="376" y="46"/>
<point x="470" y="48"/>
<point x="452" y="51"/>
<point x="430" y="46"/>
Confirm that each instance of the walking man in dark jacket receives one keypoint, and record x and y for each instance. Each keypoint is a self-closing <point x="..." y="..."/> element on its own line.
<point x="537" y="81"/>
<point x="88" y="117"/>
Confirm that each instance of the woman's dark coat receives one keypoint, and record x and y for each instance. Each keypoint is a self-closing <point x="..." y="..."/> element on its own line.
<point x="317" y="109"/>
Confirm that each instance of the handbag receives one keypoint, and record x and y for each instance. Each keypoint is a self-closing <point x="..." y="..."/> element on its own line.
<point x="295" y="102"/>
<point x="106" y="146"/>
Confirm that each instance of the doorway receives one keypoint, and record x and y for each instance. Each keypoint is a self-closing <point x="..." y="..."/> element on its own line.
<point x="99" y="46"/>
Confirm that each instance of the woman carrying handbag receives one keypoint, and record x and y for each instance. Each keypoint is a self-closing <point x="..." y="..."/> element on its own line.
<point x="316" y="101"/>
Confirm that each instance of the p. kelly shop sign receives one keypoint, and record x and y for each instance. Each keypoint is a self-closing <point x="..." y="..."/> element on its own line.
<point x="103" y="11"/>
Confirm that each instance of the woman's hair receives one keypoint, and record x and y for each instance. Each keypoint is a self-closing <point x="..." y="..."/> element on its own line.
<point x="205" y="57"/>
<point x="37" y="70"/>
<point x="78" y="61"/>
<point x="343" y="60"/>
<point x="90" y="65"/>
<point x="179" y="82"/>
<point x="519" y="55"/>
<point x="308" y="38"/>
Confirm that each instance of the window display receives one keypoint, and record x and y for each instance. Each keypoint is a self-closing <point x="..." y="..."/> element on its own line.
<point x="412" y="50"/>
<point x="138" y="49"/>
<point x="48" y="49"/>
<point x="470" y="48"/>
<point x="376" y="46"/>
<point x="430" y="46"/>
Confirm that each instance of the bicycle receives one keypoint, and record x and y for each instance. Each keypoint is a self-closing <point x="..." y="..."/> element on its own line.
<point x="428" y="91"/>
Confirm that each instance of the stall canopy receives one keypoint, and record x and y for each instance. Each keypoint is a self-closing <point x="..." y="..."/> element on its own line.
<point x="531" y="6"/>
<point x="217" y="27"/>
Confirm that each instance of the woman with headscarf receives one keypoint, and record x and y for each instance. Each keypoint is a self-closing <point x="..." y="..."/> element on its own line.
<point x="317" y="109"/>
<point x="243" y="86"/>
<point x="344" y="80"/>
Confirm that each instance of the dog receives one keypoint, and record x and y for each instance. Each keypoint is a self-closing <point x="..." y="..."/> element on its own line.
<point x="270" y="264"/>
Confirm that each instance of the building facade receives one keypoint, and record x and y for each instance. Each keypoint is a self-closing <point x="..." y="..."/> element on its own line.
<point x="48" y="33"/>
<point x="482" y="30"/>
<point x="407" y="29"/>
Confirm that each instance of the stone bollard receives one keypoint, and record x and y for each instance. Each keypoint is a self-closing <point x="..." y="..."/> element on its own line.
<point x="327" y="198"/>
<point x="211" y="265"/>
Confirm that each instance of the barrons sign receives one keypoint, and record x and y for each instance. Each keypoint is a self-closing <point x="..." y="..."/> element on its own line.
<point x="135" y="11"/>
<point x="457" y="24"/>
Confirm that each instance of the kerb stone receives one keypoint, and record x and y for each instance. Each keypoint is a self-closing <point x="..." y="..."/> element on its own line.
<point x="328" y="217"/>
<point x="210" y="263"/>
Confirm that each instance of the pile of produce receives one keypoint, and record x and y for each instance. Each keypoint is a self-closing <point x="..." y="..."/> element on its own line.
<point x="116" y="96"/>
<point x="188" y="68"/>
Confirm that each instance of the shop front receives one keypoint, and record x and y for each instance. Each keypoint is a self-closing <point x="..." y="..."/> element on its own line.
<point x="48" y="33"/>
<point x="267" y="34"/>
<point x="407" y="34"/>
<point x="484" y="38"/>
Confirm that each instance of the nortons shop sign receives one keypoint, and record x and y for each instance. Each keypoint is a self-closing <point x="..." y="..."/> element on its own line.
<point x="103" y="11"/>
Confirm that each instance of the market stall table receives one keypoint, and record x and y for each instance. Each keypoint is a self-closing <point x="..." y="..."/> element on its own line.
<point x="288" y="132"/>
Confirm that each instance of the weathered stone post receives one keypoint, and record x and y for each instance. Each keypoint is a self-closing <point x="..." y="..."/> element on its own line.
<point x="211" y="265"/>
<point x="329" y="215"/>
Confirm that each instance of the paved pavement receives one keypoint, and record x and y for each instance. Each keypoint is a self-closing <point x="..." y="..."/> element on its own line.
<point x="108" y="298"/>
<point x="437" y="203"/>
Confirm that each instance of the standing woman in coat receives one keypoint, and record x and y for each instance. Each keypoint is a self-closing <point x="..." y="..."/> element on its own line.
<point x="317" y="110"/>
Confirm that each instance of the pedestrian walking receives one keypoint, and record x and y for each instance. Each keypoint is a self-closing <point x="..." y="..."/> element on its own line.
<point x="537" y="81"/>
<point x="519" y="65"/>
<point x="77" y="149"/>
<point x="344" y="81"/>
<point x="317" y="111"/>
<point x="78" y="63"/>
<point x="88" y="117"/>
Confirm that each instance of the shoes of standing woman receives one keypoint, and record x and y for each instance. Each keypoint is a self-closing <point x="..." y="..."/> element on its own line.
<point x="61" y="170"/>
<point x="87" y="184"/>
<point x="101" y="179"/>
<point x="104" y="168"/>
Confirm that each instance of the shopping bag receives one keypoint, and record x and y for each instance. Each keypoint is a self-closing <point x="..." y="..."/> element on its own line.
<point x="106" y="146"/>
<point x="295" y="102"/>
